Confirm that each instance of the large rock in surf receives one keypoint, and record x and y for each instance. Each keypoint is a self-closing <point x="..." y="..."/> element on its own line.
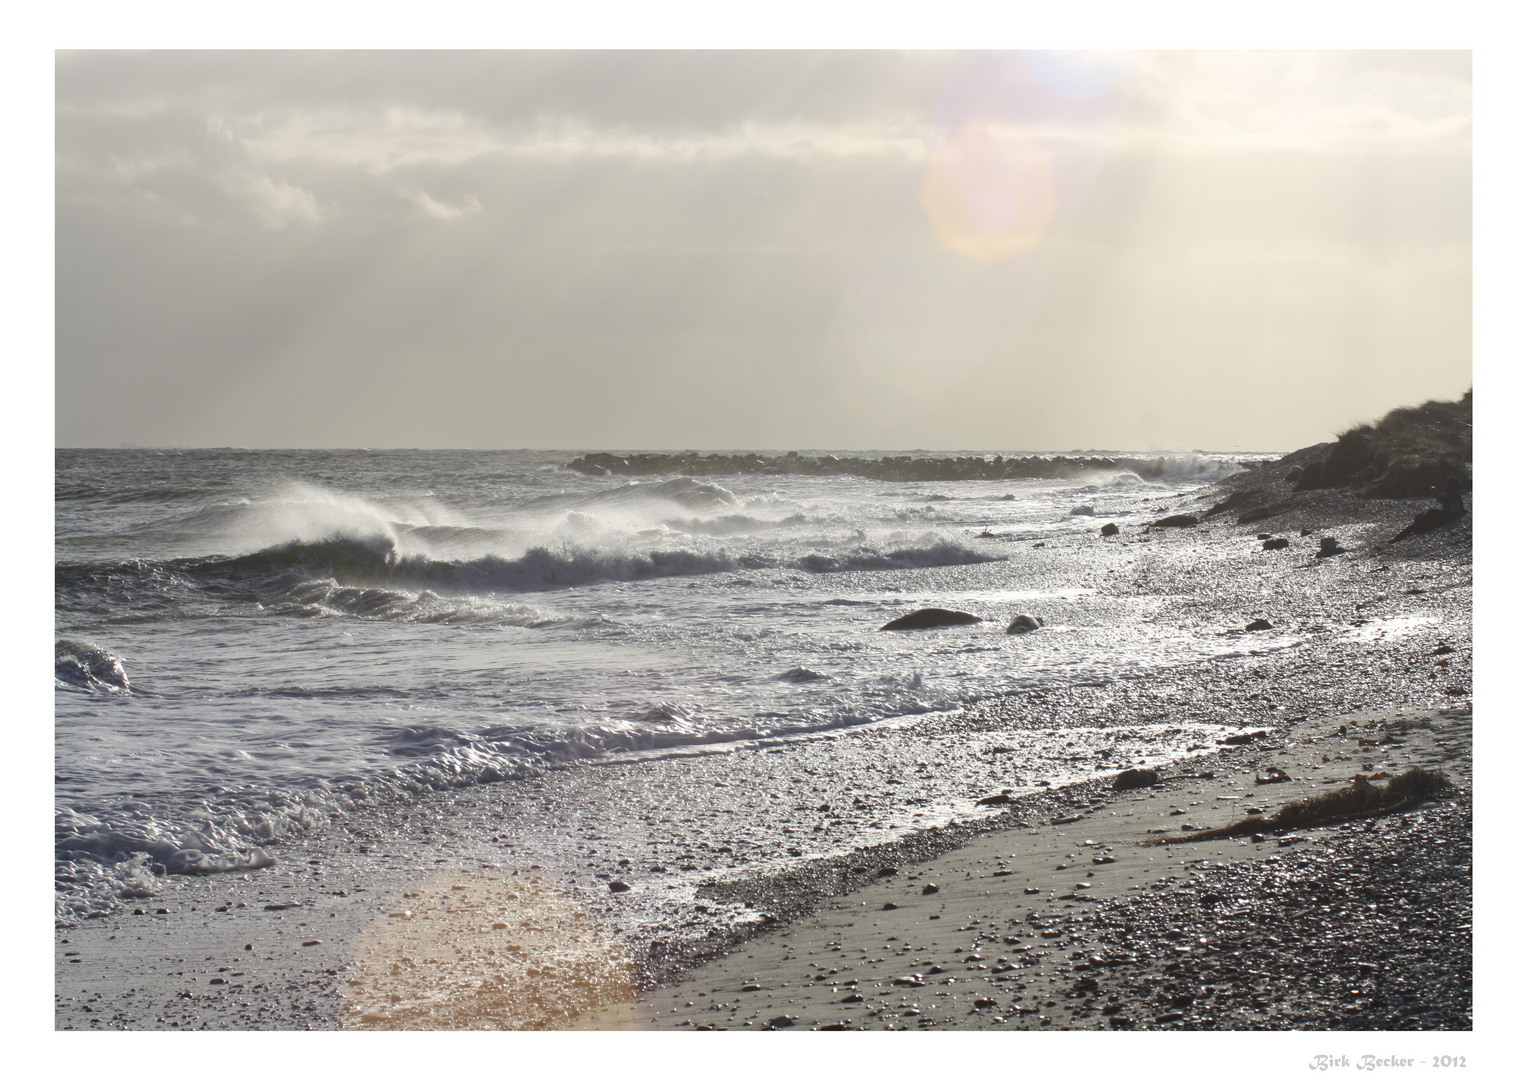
<point x="1022" y="624"/>
<point x="925" y="618"/>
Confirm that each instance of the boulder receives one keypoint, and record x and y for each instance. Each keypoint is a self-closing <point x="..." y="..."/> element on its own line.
<point x="1328" y="547"/>
<point x="1136" y="778"/>
<point x="1022" y="624"/>
<point x="1110" y="529"/>
<point x="926" y="618"/>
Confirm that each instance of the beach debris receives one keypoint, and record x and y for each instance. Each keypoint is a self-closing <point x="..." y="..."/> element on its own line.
<point x="1023" y="624"/>
<point x="1244" y="737"/>
<point x="1136" y="778"/>
<point x="1274" y="776"/>
<point x="927" y="618"/>
<point x="1110" y="529"/>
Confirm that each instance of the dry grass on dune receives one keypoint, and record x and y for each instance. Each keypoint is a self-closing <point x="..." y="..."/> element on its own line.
<point x="1403" y="455"/>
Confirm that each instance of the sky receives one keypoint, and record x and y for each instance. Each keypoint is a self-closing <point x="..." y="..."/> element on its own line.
<point x="696" y="249"/>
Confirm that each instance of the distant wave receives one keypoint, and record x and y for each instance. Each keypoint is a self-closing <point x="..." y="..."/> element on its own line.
<point x="363" y="577"/>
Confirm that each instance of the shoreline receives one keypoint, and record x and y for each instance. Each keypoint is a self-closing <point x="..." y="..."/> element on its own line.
<point x="1036" y="927"/>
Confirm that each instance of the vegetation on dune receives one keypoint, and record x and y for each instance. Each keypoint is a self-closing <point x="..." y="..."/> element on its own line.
<point x="1405" y="454"/>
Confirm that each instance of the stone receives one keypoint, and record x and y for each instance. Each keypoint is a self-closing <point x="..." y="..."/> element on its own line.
<point x="1083" y="511"/>
<point x="1023" y="624"/>
<point x="1264" y="536"/>
<point x="1243" y="738"/>
<point x="619" y="886"/>
<point x="929" y="888"/>
<point x="1136" y="778"/>
<point x="927" y="618"/>
<point x="1110" y="529"/>
<point x="1259" y="624"/>
<point x="1176" y="521"/>
<point x="995" y="800"/>
<point x="1328" y="547"/>
<point x="1275" y="544"/>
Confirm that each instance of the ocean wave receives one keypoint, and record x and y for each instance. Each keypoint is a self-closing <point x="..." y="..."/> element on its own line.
<point x="106" y="854"/>
<point x="364" y="577"/>
<point x="88" y="667"/>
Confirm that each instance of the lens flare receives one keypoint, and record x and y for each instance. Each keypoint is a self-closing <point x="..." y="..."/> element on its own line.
<point x="989" y="192"/>
<point x="488" y="952"/>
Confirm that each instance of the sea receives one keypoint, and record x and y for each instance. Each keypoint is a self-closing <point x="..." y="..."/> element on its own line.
<point x="252" y="645"/>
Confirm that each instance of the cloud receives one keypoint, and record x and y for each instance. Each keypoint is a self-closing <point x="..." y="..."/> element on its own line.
<point x="278" y="204"/>
<point x="442" y="211"/>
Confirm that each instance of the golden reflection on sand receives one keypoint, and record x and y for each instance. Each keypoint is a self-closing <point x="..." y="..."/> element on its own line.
<point x="488" y="951"/>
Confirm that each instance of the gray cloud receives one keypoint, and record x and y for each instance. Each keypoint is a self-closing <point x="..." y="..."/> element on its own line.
<point x="706" y="249"/>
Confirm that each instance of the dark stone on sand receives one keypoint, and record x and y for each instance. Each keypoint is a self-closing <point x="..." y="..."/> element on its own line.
<point x="1022" y="624"/>
<point x="886" y="871"/>
<point x="995" y="800"/>
<point x="929" y="888"/>
<point x="1329" y="546"/>
<point x="1176" y="521"/>
<point x="1243" y="738"/>
<point x="619" y="886"/>
<point x="1305" y="532"/>
<point x="888" y="906"/>
<point x="782" y="1022"/>
<point x="926" y="618"/>
<point x="1110" y="529"/>
<point x="1264" y="536"/>
<point x="1136" y="778"/>
<point x="1275" y="544"/>
<point x="1260" y="624"/>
